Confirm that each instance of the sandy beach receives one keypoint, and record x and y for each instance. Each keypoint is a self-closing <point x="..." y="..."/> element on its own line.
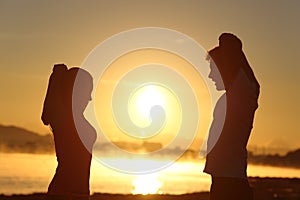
<point x="264" y="189"/>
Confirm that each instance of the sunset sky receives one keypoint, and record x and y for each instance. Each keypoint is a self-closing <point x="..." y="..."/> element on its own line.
<point x="34" y="35"/>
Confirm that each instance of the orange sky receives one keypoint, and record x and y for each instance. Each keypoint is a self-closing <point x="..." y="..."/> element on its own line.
<point x="36" y="34"/>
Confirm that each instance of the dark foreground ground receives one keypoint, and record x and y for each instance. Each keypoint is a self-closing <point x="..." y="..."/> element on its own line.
<point x="264" y="189"/>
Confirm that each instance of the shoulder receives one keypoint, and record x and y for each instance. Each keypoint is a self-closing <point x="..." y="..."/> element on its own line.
<point x="242" y="86"/>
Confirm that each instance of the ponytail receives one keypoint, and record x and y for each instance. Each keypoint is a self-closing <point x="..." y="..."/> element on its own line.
<point x="53" y="100"/>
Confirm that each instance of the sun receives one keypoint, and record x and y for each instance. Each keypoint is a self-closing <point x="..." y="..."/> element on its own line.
<point x="147" y="97"/>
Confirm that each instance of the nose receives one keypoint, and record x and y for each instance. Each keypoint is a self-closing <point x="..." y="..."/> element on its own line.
<point x="211" y="75"/>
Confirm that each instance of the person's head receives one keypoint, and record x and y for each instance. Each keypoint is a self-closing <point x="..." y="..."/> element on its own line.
<point x="68" y="94"/>
<point x="228" y="58"/>
<point x="77" y="89"/>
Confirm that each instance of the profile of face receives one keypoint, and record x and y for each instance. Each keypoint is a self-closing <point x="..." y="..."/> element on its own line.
<point x="215" y="76"/>
<point x="81" y="90"/>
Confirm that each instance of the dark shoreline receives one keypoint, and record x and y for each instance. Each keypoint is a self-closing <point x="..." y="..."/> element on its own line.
<point x="264" y="189"/>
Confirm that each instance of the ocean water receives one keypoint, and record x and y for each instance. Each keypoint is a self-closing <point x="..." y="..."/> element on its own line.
<point x="28" y="173"/>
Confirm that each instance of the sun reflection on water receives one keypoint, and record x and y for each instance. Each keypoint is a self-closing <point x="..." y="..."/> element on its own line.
<point x="147" y="184"/>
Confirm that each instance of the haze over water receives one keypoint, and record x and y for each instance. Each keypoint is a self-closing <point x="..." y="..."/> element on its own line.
<point x="28" y="173"/>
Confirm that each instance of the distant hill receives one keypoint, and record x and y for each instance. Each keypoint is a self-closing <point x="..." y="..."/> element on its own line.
<point x="291" y="159"/>
<point x="15" y="139"/>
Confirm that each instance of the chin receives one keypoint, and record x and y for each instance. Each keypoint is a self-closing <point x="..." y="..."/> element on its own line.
<point x="219" y="88"/>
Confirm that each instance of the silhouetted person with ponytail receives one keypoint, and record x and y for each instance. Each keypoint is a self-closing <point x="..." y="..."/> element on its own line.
<point x="68" y="94"/>
<point x="226" y="159"/>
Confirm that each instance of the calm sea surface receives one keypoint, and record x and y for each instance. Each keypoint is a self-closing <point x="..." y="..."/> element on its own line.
<point x="28" y="173"/>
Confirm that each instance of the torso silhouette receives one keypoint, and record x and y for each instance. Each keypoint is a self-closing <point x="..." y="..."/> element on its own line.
<point x="74" y="159"/>
<point x="227" y="153"/>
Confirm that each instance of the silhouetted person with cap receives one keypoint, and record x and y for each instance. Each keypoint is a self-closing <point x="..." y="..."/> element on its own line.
<point x="73" y="135"/>
<point x="226" y="159"/>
